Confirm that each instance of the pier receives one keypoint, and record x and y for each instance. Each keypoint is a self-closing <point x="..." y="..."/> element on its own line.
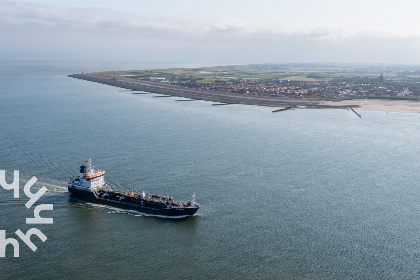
<point x="282" y="109"/>
<point x="355" y="112"/>
<point x="156" y="96"/>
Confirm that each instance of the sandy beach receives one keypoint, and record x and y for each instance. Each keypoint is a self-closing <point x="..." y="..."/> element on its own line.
<point x="382" y="105"/>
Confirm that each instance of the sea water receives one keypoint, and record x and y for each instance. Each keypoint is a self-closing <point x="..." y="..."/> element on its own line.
<point x="299" y="194"/>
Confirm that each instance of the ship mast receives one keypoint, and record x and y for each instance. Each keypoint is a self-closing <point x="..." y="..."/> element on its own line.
<point x="89" y="166"/>
<point x="193" y="200"/>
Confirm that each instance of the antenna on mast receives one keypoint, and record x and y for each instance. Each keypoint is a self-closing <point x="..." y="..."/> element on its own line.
<point x="193" y="200"/>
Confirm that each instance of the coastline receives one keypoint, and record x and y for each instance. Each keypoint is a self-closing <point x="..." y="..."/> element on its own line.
<point x="264" y="101"/>
<point x="198" y="94"/>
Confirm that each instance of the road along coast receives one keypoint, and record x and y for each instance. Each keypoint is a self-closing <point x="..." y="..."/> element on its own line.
<point x="209" y="95"/>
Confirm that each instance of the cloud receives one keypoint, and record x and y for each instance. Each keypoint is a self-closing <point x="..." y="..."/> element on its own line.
<point x="40" y="32"/>
<point x="43" y="16"/>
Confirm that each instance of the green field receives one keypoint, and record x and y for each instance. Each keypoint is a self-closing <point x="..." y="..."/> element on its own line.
<point x="273" y="72"/>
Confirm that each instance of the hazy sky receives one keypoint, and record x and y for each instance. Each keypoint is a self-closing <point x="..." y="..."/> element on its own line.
<point x="238" y="31"/>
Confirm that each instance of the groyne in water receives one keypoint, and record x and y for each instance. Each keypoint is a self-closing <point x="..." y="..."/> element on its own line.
<point x="283" y="109"/>
<point x="198" y="94"/>
<point x="355" y="112"/>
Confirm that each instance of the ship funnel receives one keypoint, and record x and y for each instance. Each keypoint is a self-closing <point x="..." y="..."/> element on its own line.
<point x="83" y="169"/>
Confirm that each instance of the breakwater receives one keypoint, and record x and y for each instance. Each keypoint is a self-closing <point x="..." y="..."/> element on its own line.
<point x="198" y="94"/>
<point x="355" y="112"/>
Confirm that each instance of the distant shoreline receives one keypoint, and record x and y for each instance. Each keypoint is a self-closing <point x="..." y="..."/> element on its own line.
<point x="234" y="98"/>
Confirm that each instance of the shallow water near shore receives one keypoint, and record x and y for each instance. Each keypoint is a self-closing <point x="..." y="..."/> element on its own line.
<point x="299" y="194"/>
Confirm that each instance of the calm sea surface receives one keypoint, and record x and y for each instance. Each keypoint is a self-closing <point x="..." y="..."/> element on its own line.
<point x="302" y="194"/>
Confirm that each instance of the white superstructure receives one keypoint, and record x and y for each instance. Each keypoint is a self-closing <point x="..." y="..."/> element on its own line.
<point x="88" y="178"/>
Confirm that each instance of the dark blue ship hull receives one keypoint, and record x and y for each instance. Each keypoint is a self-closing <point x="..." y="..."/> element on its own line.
<point x="123" y="201"/>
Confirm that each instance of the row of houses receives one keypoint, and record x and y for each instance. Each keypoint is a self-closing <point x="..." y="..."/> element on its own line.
<point x="307" y="89"/>
<point x="293" y="89"/>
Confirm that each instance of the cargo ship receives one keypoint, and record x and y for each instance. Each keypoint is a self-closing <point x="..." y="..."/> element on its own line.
<point x="90" y="186"/>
